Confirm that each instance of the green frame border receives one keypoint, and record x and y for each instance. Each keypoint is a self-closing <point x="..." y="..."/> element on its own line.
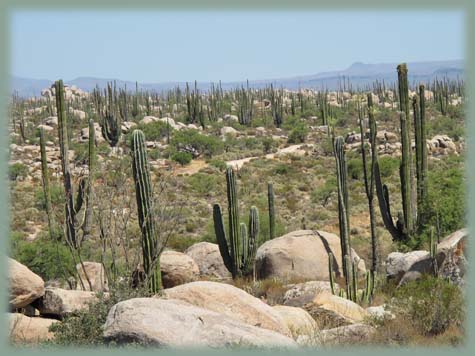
<point x="467" y="6"/>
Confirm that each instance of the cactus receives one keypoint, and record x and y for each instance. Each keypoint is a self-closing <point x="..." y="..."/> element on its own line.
<point x="369" y="177"/>
<point x="245" y="105"/>
<point x="421" y="154"/>
<point x="110" y="123"/>
<point x="343" y="214"/>
<point x="46" y="187"/>
<point x="369" y="287"/>
<point x="270" y="200"/>
<point x="406" y="170"/>
<point x="91" y="163"/>
<point x="277" y="106"/>
<point x="239" y="255"/>
<point x="433" y="251"/>
<point x="144" y="195"/>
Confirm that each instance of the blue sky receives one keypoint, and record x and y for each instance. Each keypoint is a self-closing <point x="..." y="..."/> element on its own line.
<point x="163" y="46"/>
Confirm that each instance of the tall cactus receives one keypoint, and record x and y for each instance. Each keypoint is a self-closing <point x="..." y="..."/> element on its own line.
<point x="421" y="154"/>
<point x="369" y="177"/>
<point x="110" y="123"/>
<point x="270" y="201"/>
<point x="46" y="187"/>
<point x="90" y="192"/>
<point x="238" y="256"/>
<point x="343" y="213"/>
<point x="406" y="170"/>
<point x="144" y="195"/>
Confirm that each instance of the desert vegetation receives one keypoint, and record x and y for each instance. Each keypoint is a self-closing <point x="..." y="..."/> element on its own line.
<point x="247" y="217"/>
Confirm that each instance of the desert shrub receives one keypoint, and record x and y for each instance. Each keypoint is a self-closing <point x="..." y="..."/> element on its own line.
<point x="220" y="164"/>
<point x="49" y="259"/>
<point x="85" y="327"/>
<point x="154" y="131"/>
<point x="17" y="170"/>
<point x="183" y="158"/>
<point x="322" y="194"/>
<point x="431" y="304"/>
<point x="202" y="183"/>
<point x="298" y="134"/>
<point x="445" y="126"/>
<point x="56" y="193"/>
<point x="192" y="139"/>
<point x="267" y="144"/>
<point x="387" y="165"/>
<point x="282" y="169"/>
<point x="355" y="168"/>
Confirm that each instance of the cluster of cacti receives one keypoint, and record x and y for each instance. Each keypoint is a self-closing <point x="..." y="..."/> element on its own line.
<point x="146" y="213"/>
<point x="277" y="105"/>
<point x="84" y="194"/>
<point x="215" y="98"/>
<point x="194" y="106"/>
<point x="324" y="107"/>
<point x="245" y="100"/>
<point x="110" y="120"/>
<point x="238" y="247"/>
<point x="135" y="102"/>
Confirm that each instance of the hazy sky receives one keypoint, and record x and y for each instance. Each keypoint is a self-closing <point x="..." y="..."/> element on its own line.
<point x="162" y="46"/>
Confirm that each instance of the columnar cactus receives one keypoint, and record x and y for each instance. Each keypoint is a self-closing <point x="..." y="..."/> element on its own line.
<point x="433" y="251"/>
<point x="110" y="124"/>
<point x="238" y="256"/>
<point x="144" y="195"/>
<point x="369" y="176"/>
<point x="331" y="276"/>
<point x="421" y="144"/>
<point x="270" y="200"/>
<point x="90" y="192"/>
<point x="46" y="187"/>
<point x="343" y="214"/>
<point x="406" y="170"/>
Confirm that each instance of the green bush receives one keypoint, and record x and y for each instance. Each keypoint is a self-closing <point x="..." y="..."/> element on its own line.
<point x="355" y="168"/>
<point x="85" y="327"/>
<point x="432" y="304"/>
<point x="298" y="134"/>
<point x="56" y="193"/>
<point x="218" y="163"/>
<point x="49" y="259"/>
<point x="267" y="144"/>
<point x="387" y="165"/>
<point x="202" y="183"/>
<point x="206" y="145"/>
<point x="17" y="170"/>
<point x="322" y="194"/>
<point x="155" y="131"/>
<point x="183" y="158"/>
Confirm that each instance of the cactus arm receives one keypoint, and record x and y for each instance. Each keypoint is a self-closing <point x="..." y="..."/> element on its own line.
<point x="233" y="214"/>
<point x="221" y="237"/>
<point x="270" y="199"/>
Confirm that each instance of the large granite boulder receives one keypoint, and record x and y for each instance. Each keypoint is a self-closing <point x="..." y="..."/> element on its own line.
<point x="25" y="286"/>
<point x="298" y="320"/>
<point x="95" y="273"/>
<point x="23" y="329"/>
<point x="209" y="260"/>
<point x="175" y="323"/>
<point x="301" y="255"/>
<point x="231" y="301"/>
<point x="177" y="268"/>
<point x="58" y="302"/>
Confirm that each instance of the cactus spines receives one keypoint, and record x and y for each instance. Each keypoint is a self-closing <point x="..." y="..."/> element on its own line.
<point x="144" y="195"/>
<point x="46" y="187"/>
<point x="270" y="200"/>
<point x="239" y="251"/>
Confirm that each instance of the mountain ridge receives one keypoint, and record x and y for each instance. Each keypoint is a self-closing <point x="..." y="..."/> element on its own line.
<point x="358" y="73"/>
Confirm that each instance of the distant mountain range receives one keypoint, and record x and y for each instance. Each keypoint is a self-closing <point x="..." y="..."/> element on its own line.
<point x="358" y="74"/>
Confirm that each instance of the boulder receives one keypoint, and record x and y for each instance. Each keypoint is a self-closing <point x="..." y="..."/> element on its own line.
<point x="397" y="263"/>
<point x="95" y="273"/>
<point x="23" y="329"/>
<point x="348" y="334"/>
<point x="231" y="301"/>
<point x="298" y="320"/>
<point x="328" y="309"/>
<point x="174" y="323"/>
<point x="301" y="255"/>
<point x="227" y="130"/>
<point x="379" y="312"/>
<point x="302" y="293"/>
<point x="177" y="268"/>
<point x="209" y="260"/>
<point x="59" y="302"/>
<point x="25" y="286"/>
